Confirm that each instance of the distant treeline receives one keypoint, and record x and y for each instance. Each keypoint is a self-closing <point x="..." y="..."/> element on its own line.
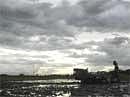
<point x="22" y="77"/>
<point x="124" y="74"/>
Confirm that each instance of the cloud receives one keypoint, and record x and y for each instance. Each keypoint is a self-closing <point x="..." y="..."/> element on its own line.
<point x="24" y="20"/>
<point x="114" y="49"/>
<point x="102" y="53"/>
<point x="102" y="16"/>
<point x="41" y="33"/>
<point x="33" y="19"/>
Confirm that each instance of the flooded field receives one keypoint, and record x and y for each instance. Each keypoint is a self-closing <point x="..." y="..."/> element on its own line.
<point x="62" y="88"/>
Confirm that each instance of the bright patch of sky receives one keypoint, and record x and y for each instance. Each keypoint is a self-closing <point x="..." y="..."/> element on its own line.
<point x="57" y="2"/>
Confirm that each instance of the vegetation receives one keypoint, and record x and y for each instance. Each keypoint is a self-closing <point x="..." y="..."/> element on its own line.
<point x="124" y="75"/>
<point x="22" y="77"/>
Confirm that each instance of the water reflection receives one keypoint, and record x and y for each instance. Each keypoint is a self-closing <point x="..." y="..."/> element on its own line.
<point x="23" y="89"/>
<point x="50" y="81"/>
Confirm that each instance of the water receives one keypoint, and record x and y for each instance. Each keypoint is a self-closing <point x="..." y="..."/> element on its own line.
<point x="50" y="81"/>
<point x="62" y="88"/>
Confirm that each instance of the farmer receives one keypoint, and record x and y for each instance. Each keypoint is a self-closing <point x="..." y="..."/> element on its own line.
<point x="116" y="66"/>
<point x="115" y="74"/>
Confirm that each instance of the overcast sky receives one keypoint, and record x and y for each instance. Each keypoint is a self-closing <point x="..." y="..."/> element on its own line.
<point x="55" y="36"/>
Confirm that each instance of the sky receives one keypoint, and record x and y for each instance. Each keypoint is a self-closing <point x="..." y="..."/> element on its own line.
<point x="55" y="36"/>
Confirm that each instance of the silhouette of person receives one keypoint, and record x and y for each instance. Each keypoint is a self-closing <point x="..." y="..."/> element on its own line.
<point x="116" y="69"/>
<point x="115" y="76"/>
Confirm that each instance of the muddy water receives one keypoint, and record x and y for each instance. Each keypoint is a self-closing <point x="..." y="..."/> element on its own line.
<point x="62" y="88"/>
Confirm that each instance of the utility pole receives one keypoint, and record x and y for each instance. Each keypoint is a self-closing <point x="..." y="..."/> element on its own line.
<point x="33" y="69"/>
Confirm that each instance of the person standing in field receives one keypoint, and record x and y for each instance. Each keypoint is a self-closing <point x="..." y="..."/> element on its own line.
<point x="115" y="74"/>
